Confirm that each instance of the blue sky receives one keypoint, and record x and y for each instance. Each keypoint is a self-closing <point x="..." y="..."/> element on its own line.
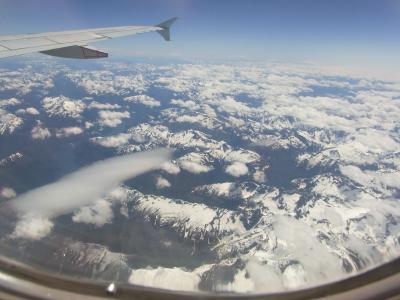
<point x="339" y="31"/>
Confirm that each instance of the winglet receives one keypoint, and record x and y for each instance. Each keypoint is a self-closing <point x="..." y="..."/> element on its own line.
<point x="164" y="28"/>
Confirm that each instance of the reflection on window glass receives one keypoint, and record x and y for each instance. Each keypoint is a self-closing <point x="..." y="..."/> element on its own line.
<point x="257" y="151"/>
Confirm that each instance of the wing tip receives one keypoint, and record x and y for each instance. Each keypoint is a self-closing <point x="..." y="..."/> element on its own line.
<point x="165" y="28"/>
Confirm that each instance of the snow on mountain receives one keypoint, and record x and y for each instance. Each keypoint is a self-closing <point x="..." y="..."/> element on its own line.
<point x="241" y="155"/>
<point x="277" y="143"/>
<point x="11" y="158"/>
<point x="9" y="122"/>
<point x="228" y="190"/>
<point x="108" y="82"/>
<point x="146" y="136"/>
<point x="347" y="229"/>
<point x="200" y="119"/>
<point x="95" y="261"/>
<point x="64" y="107"/>
<point x="190" y="219"/>
<point x="24" y="80"/>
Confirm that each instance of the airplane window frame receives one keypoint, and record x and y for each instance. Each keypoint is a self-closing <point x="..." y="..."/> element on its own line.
<point x="18" y="281"/>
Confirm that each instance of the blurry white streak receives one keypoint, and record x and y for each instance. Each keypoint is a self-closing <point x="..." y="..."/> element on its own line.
<point x="83" y="187"/>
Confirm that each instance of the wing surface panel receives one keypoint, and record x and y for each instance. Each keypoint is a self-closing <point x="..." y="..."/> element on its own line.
<point x="12" y="45"/>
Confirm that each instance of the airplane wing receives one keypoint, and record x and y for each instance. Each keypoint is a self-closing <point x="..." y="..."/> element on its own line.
<point x="73" y="44"/>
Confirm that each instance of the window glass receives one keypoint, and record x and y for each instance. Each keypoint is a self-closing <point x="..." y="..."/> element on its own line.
<point x="257" y="151"/>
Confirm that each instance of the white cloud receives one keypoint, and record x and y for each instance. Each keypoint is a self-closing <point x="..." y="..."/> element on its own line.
<point x="355" y="174"/>
<point x="194" y="167"/>
<point x="112" y="118"/>
<point x="68" y="131"/>
<point x="170" y="168"/>
<point x="143" y="99"/>
<point x="98" y="105"/>
<point x="119" y="194"/>
<point x="195" y="163"/>
<point x="10" y="102"/>
<point x="202" y="120"/>
<point x="113" y="141"/>
<point x="32" y="228"/>
<point x="162" y="183"/>
<point x="168" y="278"/>
<point x="258" y="272"/>
<point x="241" y="155"/>
<point x="294" y="276"/>
<point x="375" y="141"/>
<point x="88" y="125"/>
<point x="98" y="214"/>
<point x="377" y="180"/>
<point x="30" y="110"/>
<point x="253" y="279"/>
<point x="298" y="239"/>
<point x="230" y="105"/>
<point x="80" y="189"/>
<point x="209" y="111"/>
<point x="185" y="104"/>
<point x="237" y="169"/>
<point x="241" y="283"/>
<point x="7" y="192"/>
<point x="39" y="132"/>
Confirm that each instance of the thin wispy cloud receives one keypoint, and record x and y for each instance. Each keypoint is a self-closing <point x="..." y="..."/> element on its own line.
<point x="79" y="189"/>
